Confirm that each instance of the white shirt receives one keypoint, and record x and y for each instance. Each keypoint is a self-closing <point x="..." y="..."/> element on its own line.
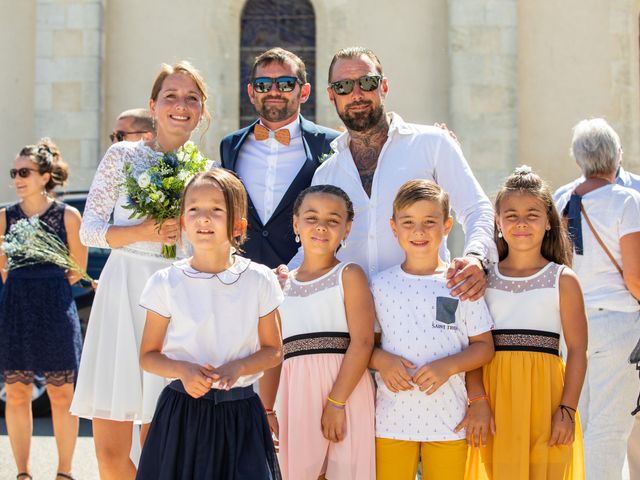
<point x="421" y="322"/>
<point x="213" y="317"/>
<point x="411" y="151"/>
<point x="267" y="168"/>
<point x="614" y="212"/>
<point x="624" y="178"/>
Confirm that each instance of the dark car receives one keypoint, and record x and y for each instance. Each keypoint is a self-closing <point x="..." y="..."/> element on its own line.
<point x="83" y="296"/>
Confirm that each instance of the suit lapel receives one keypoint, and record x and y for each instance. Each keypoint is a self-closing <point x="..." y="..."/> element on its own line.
<point x="235" y="150"/>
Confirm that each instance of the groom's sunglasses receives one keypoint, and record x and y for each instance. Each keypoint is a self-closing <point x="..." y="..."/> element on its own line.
<point x="367" y="83"/>
<point x="283" y="84"/>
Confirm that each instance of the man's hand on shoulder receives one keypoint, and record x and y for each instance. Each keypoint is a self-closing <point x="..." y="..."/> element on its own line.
<point x="282" y="272"/>
<point x="467" y="278"/>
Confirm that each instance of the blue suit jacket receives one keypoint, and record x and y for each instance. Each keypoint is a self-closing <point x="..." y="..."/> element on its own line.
<point x="273" y="243"/>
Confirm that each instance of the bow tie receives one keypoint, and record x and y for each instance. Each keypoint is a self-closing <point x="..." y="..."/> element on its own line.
<point x="262" y="133"/>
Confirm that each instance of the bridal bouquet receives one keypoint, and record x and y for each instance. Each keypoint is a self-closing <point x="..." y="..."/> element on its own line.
<point x="31" y="242"/>
<point x="155" y="193"/>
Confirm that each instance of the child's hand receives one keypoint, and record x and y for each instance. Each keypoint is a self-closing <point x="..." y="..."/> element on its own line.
<point x="333" y="423"/>
<point x="478" y="423"/>
<point x="196" y="379"/>
<point x="274" y="426"/>
<point x="563" y="427"/>
<point x="431" y="376"/>
<point x="394" y="371"/>
<point x="227" y="375"/>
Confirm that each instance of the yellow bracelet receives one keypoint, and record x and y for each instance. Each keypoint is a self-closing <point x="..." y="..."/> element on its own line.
<point x="335" y="402"/>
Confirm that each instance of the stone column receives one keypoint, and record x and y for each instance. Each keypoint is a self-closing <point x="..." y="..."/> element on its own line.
<point x="483" y="48"/>
<point x="68" y="81"/>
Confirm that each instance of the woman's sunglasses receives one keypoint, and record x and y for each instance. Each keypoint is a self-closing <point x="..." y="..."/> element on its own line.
<point x="24" y="172"/>
<point x="283" y="84"/>
<point x="367" y="83"/>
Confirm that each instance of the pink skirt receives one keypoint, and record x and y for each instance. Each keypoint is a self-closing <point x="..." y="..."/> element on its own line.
<point x="305" y="383"/>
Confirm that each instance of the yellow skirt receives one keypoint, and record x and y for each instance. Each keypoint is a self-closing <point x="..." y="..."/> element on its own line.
<point x="525" y="389"/>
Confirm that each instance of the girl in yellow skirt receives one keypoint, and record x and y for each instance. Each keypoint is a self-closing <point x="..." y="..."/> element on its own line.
<point x="533" y="298"/>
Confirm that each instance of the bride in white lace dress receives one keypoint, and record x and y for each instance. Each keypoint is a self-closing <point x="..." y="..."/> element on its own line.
<point x="112" y="390"/>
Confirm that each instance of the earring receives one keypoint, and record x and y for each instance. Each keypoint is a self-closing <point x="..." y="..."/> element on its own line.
<point x="297" y="239"/>
<point x="499" y="233"/>
<point x="343" y="243"/>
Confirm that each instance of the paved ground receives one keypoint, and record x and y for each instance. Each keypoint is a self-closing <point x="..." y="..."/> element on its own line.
<point x="44" y="457"/>
<point x="43" y="452"/>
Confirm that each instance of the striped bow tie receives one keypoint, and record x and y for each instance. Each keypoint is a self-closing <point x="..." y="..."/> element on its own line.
<point x="262" y="133"/>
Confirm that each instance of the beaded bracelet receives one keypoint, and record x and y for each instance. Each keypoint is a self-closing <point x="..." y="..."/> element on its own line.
<point x="479" y="397"/>
<point x="269" y="411"/>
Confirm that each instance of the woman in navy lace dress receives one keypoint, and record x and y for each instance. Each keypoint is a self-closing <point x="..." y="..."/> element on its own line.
<point x="39" y="326"/>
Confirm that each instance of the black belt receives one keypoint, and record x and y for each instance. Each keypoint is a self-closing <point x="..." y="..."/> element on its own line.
<point x="526" y="340"/>
<point x="217" y="395"/>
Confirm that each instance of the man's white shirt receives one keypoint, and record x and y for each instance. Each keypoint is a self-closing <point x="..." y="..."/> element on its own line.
<point x="267" y="168"/>
<point x="410" y="152"/>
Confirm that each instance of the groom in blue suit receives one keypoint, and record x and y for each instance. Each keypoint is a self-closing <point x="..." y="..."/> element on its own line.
<point x="277" y="155"/>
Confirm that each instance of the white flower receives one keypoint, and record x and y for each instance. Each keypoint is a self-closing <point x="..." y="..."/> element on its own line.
<point x="183" y="175"/>
<point x="161" y="197"/>
<point x="144" y="180"/>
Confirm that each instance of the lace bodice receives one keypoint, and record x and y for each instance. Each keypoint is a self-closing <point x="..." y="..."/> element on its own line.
<point x="108" y="196"/>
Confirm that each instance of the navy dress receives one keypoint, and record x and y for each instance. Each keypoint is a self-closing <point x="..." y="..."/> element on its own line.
<point x="39" y="325"/>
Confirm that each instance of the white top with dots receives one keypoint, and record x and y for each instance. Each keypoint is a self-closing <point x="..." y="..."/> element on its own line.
<point x="539" y="310"/>
<point x="422" y="322"/>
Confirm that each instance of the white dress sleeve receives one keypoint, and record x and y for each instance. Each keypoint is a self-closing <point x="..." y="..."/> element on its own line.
<point x="102" y="197"/>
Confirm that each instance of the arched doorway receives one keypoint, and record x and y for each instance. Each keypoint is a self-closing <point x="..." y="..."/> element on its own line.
<point x="289" y="24"/>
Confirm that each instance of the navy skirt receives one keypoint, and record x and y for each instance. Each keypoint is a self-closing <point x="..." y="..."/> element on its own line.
<point x="223" y="435"/>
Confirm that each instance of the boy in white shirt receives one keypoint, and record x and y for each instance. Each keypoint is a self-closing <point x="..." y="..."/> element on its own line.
<point x="429" y="340"/>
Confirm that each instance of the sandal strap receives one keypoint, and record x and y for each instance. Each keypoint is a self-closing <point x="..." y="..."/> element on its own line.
<point x="65" y="475"/>
<point x="24" y="474"/>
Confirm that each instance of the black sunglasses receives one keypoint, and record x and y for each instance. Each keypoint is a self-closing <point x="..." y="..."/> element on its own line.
<point x="119" y="135"/>
<point x="367" y="83"/>
<point x="283" y="84"/>
<point x="24" y="172"/>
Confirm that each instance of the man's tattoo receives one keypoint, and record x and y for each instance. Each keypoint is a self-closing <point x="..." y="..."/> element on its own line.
<point x="365" y="149"/>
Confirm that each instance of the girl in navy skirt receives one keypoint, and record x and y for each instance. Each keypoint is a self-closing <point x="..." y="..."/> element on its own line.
<point x="211" y="325"/>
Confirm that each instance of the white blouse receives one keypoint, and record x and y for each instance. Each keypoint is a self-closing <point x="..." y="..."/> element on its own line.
<point x="213" y="317"/>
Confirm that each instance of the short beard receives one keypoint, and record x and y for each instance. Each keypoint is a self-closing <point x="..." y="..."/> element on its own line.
<point x="273" y="113"/>
<point x="361" y="121"/>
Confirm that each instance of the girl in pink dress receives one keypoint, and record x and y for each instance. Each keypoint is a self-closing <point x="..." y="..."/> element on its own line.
<point x="325" y="420"/>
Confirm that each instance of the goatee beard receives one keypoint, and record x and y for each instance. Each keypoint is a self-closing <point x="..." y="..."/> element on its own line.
<point x="275" y="113"/>
<point x="361" y="121"/>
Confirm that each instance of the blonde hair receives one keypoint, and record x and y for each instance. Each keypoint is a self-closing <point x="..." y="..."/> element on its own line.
<point x="416" y="190"/>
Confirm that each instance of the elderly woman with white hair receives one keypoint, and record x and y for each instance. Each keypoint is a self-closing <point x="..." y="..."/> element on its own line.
<point x="604" y="225"/>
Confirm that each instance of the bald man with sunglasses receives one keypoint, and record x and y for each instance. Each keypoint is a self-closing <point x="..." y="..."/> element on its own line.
<point x="277" y="155"/>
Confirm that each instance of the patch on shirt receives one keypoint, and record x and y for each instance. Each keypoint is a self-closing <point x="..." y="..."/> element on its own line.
<point x="446" y="310"/>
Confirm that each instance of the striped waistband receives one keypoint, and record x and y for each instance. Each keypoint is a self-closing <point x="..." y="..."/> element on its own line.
<point x="526" y="340"/>
<point x="216" y="395"/>
<point x="319" y="342"/>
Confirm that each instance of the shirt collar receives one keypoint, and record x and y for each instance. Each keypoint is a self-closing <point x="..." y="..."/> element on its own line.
<point x="228" y="276"/>
<point x="623" y="176"/>
<point x="397" y="124"/>
<point x="293" y="127"/>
